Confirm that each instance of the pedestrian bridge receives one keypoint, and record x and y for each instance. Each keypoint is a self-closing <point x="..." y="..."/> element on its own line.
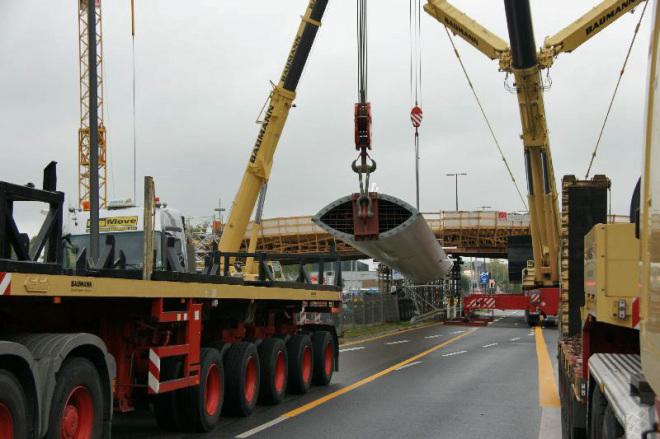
<point x="477" y="233"/>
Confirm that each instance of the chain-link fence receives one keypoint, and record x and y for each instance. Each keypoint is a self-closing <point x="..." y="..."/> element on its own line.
<point x="361" y="309"/>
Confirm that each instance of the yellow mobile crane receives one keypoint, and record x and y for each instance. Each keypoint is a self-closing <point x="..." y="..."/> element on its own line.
<point x="542" y="277"/>
<point x="277" y="110"/>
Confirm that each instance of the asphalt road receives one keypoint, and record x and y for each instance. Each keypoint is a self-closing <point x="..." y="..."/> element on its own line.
<point x="438" y="381"/>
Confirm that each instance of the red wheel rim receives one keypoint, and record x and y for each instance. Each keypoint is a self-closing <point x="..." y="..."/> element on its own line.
<point x="250" y="380"/>
<point x="78" y="415"/>
<point x="279" y="372"/>
<point x="329" y="354"/>
<point x="212" y="390"/>
<point x="307" y="364"/>
<point x="6" y="423"/>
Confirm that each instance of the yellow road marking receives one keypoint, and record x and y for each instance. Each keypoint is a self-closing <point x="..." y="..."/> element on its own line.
<point x="389" y="335"/>
<point x="548" y="394"/>
<point x="369" y="379"/>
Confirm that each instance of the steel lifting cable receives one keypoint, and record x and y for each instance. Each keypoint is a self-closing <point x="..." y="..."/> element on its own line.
<point x="134" y="133"/>
<point x="607" y="115"/>
<point x="416" y="113"/>
<point x="362" y="50"/>
<point x="361" y="165"/>
<point x="483" y="113"/>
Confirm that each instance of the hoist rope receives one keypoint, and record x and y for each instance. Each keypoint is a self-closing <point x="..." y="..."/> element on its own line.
<point x="483" y="113"/>
<point x="134" y="123"/>
<point x="618" y="82"/>
<point x="362" y="50"/>
<point x="415" y="53"/>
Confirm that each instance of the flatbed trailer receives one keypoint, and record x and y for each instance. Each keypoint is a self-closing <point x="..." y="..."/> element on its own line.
<point x="79" y="343"/>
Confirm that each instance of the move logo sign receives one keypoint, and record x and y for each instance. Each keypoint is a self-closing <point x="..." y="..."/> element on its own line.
<point x="117" y="224"/>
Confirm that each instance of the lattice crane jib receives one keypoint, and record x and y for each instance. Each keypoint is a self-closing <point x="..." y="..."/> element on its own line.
<point x="83" y="132"/>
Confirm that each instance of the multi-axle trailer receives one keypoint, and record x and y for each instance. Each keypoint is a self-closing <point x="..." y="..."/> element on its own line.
<point x="79" y="343"/>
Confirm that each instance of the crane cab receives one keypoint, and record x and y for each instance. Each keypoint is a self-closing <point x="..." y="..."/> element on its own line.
<point x="125" y="221"/>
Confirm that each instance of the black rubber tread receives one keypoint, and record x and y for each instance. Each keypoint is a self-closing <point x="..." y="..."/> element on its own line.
<point x="190" y="401"/>
<point x="612" y="429"/>
<point x="320" y="341"/>
<point x="268" y="352"/>
<point x="597" y="414"/>
<point x="236" y="361"/>
<point x="13" y="397"/>
<point x="296" y="349"/>
<point x="75" y="371"/>
<point x="166" y="410"/>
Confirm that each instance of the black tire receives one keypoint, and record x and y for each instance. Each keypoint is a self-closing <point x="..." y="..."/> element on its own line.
<point x="241" y="367"/>
<point x="77" y="385"/>
<point x="201" y="405"/>
<point x="166" y="409"/>
<point x="324" y="357"/>
<point x="274" y="370"/>
<point x="597" y="414"/>
<point x="612" y="429"/>
<point x="301" y="363"/>
<point x="13" y="407"/>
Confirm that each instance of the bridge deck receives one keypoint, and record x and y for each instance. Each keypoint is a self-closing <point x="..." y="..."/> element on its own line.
<point x="478" y="233"/>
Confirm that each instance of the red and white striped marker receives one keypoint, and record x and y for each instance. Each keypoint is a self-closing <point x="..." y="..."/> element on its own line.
<point x="416" y="116"/>
<point x="5" y="284"/>
<point x="153" y="377"/>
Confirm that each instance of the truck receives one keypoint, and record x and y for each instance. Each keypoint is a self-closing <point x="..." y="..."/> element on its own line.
<point x="139" y="327"/>
<point x="609" y="345"/>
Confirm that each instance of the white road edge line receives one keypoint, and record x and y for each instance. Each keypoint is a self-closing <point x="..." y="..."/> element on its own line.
<point x="398" y="342"/>
<point x="489" y="345"/>
<point x="409" y="364"/>
<point x="262" y="427"/>
<point x="351" y="349"/>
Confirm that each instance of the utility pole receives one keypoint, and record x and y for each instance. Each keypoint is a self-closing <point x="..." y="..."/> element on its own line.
<point x="456" y="175"/>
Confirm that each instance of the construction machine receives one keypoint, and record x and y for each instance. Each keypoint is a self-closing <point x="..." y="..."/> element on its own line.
<point x="272" y="124"/>
<point x="541" y="277"/>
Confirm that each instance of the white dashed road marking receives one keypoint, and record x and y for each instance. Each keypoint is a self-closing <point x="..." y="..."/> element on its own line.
<point x="398" y="342"/>
<point x="489" y="345"/>
<point x="514" y="339"/>
<point x="433" y="336"/>
<point x="409" y="364"/>
<point x="458" y="332"/>
<point x="454" y="353"/>
<point x="351" y="349"/>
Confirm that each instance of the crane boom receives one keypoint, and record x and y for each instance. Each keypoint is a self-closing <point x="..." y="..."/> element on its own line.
<point x="467" y="28"/>
<point x="277" y="110"/>
<point x="525" y="63"/>
<point x="83" y="132"/>
<point x="584" y="28"/>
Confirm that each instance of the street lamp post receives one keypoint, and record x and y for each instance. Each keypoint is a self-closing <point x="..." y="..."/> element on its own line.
<point x="456" y="175"/>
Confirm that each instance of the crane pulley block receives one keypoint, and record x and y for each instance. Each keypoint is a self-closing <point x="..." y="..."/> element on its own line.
<point x="362" y="126"/>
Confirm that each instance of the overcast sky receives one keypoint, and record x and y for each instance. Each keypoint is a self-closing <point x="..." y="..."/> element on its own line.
<point x="202" y="72"/>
